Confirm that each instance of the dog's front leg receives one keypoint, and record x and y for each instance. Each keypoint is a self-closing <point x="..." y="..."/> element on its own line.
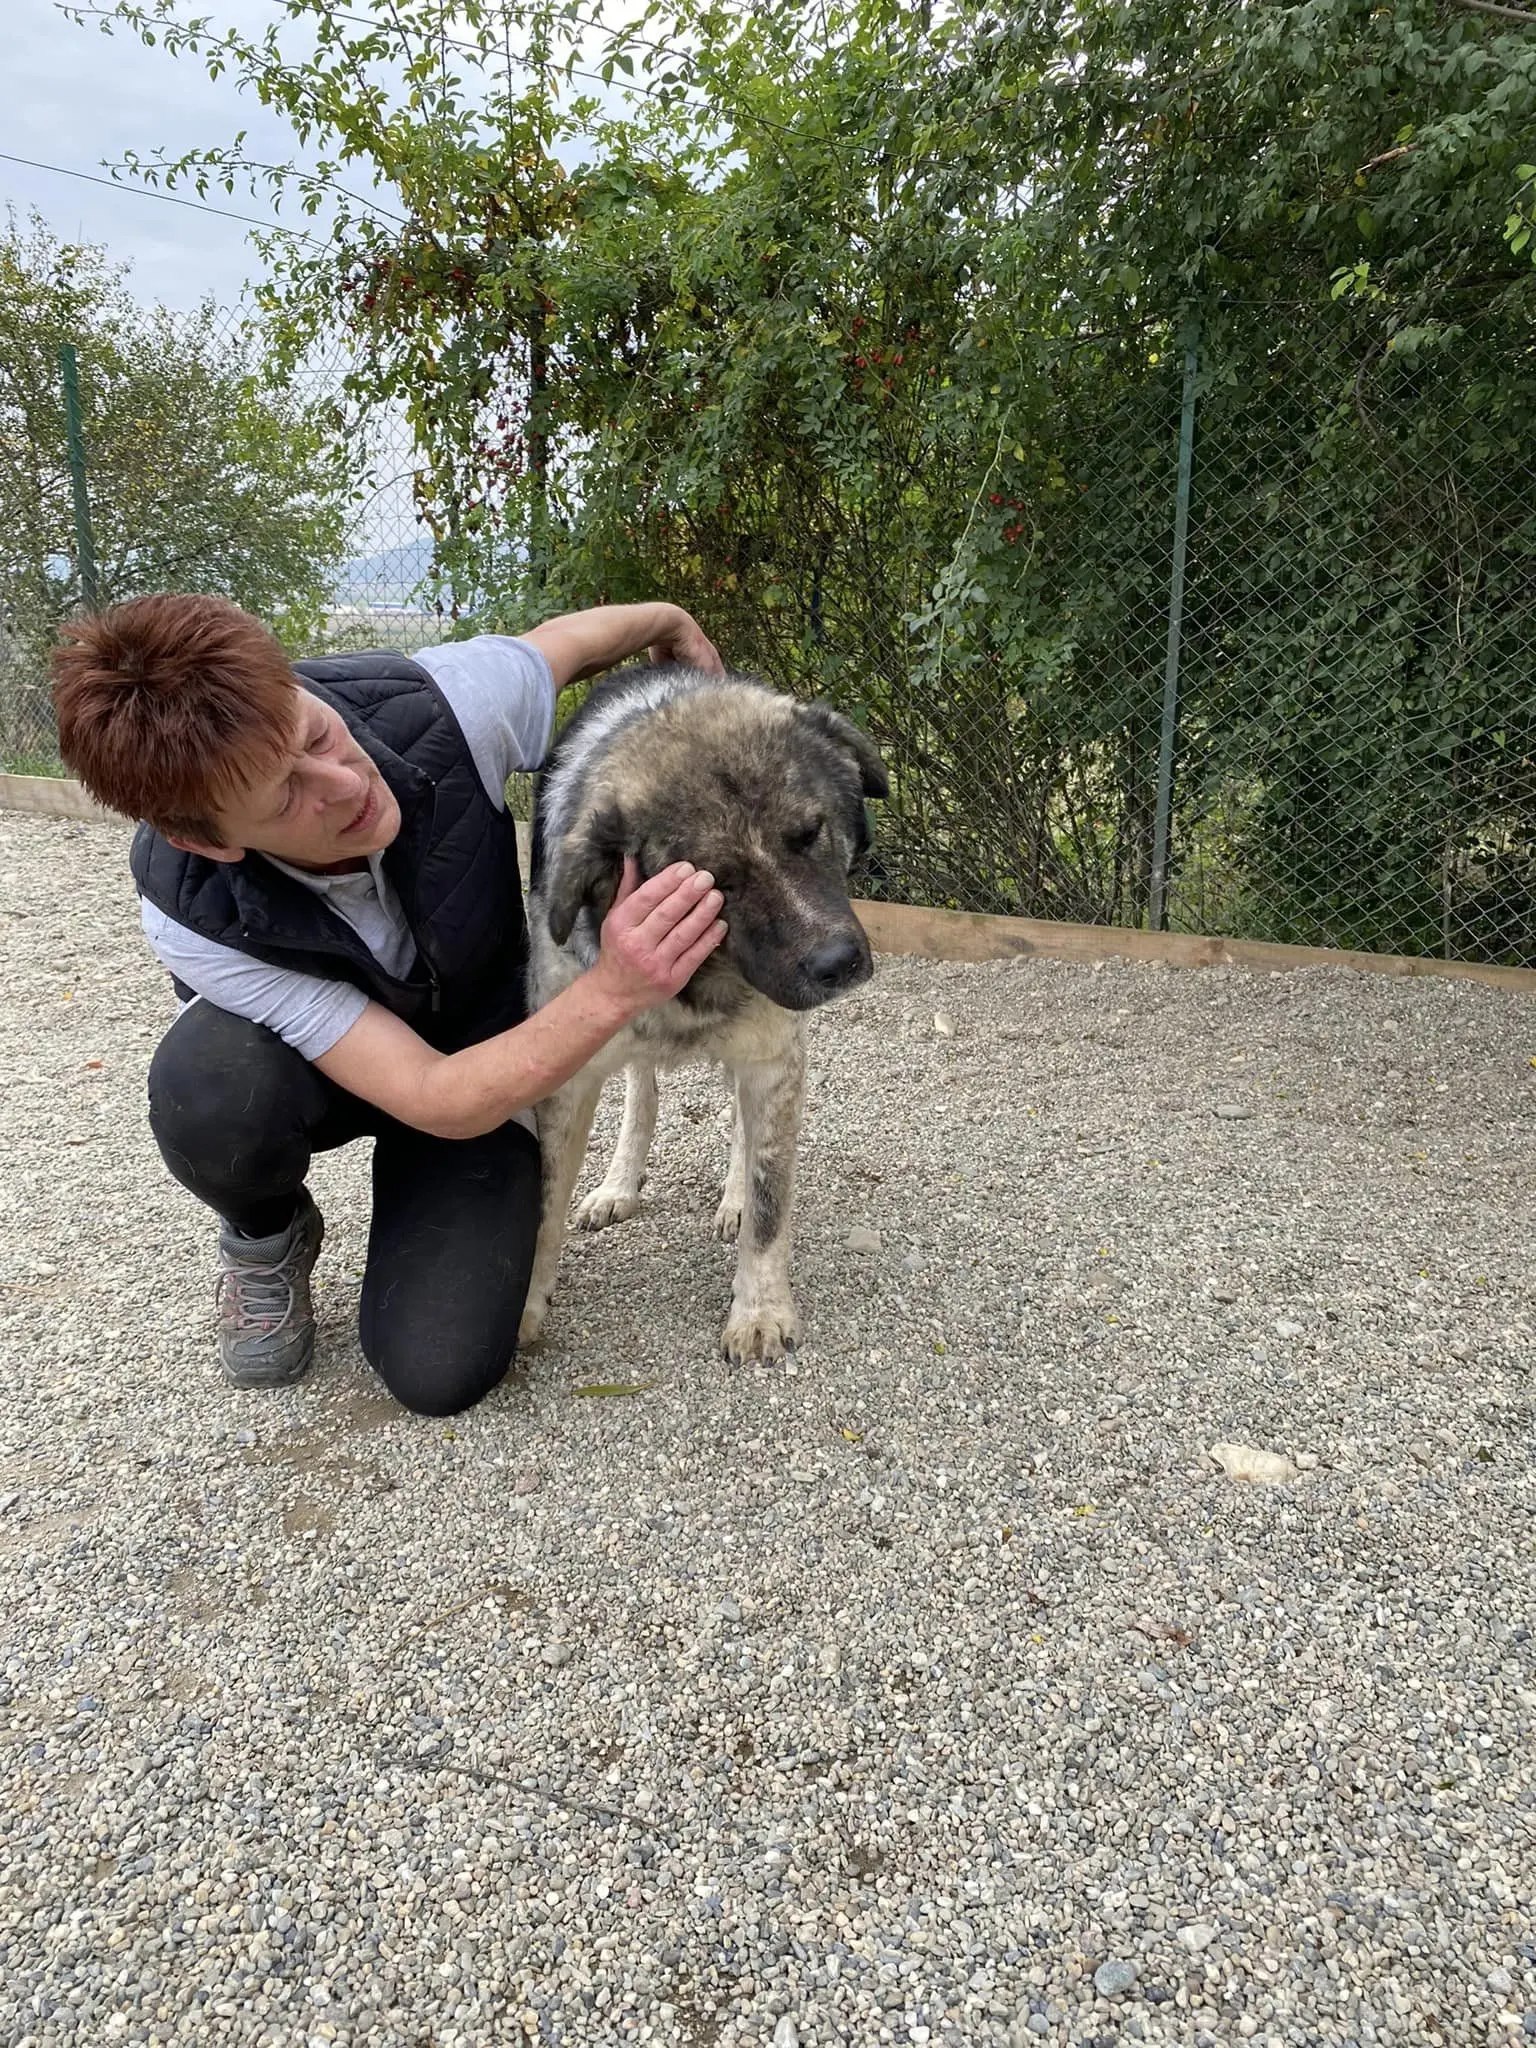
<point x="565" y="1123"/>
<point x="618" y="1197"/>
<point x="769" y="1097"/>
<point x="733" y="1198"/>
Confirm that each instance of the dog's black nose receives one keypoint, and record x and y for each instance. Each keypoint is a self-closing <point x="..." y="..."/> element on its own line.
<point x="833" y="962"/>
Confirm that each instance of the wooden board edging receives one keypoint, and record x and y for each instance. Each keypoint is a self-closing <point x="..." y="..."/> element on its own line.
<point x="963" y="935"/>
<point x="970" y="935"/>
<point x="49" y="796"/>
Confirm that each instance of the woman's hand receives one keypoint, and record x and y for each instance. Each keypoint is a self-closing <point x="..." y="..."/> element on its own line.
<point x="657" y="935"/>
<point x="684" y="641"/>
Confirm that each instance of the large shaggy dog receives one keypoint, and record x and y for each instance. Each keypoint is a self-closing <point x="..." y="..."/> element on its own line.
<point x="768" y="794"/>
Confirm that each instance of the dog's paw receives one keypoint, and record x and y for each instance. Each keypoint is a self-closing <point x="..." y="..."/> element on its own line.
<point x="530" y="1331"/>
<point x="767" y="1333"/>
<point x="605" y="1206"/>
<point x="727" y="1223"/>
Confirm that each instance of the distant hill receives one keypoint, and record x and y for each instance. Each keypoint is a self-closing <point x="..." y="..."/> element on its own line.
<point x="388" y="577"/>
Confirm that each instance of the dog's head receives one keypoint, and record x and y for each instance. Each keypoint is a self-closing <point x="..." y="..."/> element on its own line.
<point x="765" y="793"/>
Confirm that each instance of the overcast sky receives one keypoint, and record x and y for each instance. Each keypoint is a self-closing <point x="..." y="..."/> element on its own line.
<point x="75" y="98"/>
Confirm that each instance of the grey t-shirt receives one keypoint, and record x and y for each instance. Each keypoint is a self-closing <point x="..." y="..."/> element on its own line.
<point x="503" y="695"/>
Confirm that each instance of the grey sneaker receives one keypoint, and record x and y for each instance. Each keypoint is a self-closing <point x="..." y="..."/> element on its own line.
<point x="266" y="1320"/>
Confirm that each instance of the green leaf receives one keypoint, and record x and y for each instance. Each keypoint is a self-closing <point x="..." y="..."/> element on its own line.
<point x="614" y="1390"/>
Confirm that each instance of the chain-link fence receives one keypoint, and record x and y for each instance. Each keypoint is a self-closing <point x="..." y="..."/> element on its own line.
<point x="1237" y="639"/>
<point x="1356" y="757"/>
<point x="1270" y="600"/>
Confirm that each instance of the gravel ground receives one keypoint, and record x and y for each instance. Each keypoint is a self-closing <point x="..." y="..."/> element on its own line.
<point x="941" y="1689"/>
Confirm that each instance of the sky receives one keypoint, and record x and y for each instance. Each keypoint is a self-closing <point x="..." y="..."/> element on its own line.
<point x="79" y="100"/>
<point x="75" y="98"/>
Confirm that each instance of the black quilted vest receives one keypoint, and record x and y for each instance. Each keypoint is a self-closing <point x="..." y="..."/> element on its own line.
<point x="453" y="864"/>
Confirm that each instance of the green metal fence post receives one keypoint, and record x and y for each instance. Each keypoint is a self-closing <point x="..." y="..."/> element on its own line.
<point x="1157" y="907"/>
<point x="85" y="543"/>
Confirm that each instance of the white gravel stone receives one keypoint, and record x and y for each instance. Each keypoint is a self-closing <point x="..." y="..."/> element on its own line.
<point x="1258" y="1467"/>
<point x="1197" y="1937"/>
<point x="285" y="1762"/>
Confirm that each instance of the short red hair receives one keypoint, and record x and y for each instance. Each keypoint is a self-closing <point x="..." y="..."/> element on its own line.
<point x="169" y="706"/>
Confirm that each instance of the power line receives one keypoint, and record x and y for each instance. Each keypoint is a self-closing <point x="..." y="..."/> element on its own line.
<point x="149" y="192"/>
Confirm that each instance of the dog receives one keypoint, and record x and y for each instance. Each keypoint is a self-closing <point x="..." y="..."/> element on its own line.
<point x="769" y="795"/>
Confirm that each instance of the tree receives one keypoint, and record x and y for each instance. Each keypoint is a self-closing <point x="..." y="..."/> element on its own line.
<point x="203" y="474"/>
<point x="860" y="332"/>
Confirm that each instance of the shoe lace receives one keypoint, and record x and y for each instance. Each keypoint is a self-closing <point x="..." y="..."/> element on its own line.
<point x="255" y="1297"/>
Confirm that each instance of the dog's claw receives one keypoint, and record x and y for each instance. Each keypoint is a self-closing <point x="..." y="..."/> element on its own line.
<point x="770" y="1335"/>
<point x="727" y="1223"/>
<point x="605" y="1207"/>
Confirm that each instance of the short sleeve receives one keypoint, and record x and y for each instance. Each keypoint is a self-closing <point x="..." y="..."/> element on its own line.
<point x="502" y="692"/>
<point x="306" y="1011"/>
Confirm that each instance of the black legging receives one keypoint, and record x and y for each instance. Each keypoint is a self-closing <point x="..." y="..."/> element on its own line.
<point x="237" y="1115"/>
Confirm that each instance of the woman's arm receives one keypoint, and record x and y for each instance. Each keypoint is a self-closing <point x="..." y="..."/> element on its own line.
<point x="653" y="940"/>
<point x="583" y="644"/>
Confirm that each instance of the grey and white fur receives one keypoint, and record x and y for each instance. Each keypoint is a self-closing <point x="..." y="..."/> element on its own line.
<point x="769" y="795"/>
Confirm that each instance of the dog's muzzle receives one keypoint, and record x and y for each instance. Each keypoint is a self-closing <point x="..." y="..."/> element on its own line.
<point x="836" y="964"/>
<point x="833" y="965"/>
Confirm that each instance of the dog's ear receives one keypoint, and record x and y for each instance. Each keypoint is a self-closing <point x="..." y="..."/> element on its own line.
<point x="843" y="733"/>
<point x="586" y="870"/>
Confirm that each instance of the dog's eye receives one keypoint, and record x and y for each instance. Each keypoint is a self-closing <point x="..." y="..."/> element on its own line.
<point x="804" y="837"/>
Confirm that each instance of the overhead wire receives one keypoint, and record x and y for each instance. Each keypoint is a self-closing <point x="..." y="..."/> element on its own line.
<point x="152" y="192"/>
